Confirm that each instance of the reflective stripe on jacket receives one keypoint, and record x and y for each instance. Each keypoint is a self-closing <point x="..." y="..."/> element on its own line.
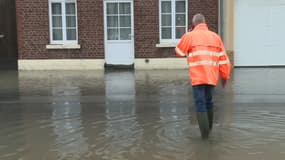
<point x="206" y="55"/>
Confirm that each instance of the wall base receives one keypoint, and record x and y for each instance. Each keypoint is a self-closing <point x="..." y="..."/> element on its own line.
<point x="61" y="64"/>
<point x="99" y="64"/>
<point x="161" y="63"/>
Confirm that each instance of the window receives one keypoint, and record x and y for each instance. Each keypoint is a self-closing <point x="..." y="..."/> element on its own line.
<point x="173" y="19"/>
<point x="63" y="22"/>
<point x="119" y="21"/>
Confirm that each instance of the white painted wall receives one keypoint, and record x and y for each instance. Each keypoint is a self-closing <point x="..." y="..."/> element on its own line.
<point x="259" y="32"/>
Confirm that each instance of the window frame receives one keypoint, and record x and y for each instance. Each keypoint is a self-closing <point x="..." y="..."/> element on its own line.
<point x="173" y="21"/>
<point x="106" y="27"/>
<point x="64" y="40"/>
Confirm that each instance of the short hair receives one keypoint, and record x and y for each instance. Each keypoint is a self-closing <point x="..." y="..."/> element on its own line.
<point x="198" y="18"/>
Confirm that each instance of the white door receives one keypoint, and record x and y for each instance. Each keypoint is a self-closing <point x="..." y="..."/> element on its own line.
<point x="259" y="32"/>
<point x="119" y="32"/>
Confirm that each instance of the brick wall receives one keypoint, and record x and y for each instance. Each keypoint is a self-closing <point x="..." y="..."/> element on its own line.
<point x="210" y="8"/>
<point x="146" y="20"/>
<point x="147" y="25"/>
<point x="33" y="28"/>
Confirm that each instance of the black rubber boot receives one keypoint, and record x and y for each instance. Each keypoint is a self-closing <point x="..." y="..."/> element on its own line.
<point x="211" y="118"/>
<point x="203" y="122"/>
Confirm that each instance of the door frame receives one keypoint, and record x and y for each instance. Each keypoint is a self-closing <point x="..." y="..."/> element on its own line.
<point x="132" y="41"/>
<point x="8" y="32"/>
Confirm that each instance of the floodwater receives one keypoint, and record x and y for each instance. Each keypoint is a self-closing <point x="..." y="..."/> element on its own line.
<point x="138" y="115"/>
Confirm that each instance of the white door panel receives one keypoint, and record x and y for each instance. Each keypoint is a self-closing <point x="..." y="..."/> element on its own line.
<point x="119" y="53"/>
<point x="119" y="39"/>
<point x="258" y="32"/>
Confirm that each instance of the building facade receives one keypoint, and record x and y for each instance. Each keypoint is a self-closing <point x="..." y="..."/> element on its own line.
<point x="254" y="30"/>
<point x="91" y="34"/>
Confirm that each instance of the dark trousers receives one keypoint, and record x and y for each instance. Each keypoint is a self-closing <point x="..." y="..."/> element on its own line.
<point x="203" y="95"/>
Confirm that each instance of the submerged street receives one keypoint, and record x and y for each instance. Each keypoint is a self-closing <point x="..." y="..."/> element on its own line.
<point x="138" y="115"/>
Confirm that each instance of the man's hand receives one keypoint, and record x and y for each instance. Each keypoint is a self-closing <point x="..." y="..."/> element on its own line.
<point x="224" y="83"/>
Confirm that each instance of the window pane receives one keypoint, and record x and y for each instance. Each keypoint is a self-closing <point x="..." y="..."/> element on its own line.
<point x="56" y="8"/>
<point x="125" y="8"/>
<point x="113" y="34"/>
<point x="71" y="34"/>
<point x="166" y="7"/>
<point x="112" y="8"/>
<point x="166" y="33"/>
<point x="180" y="6"/>
<point x="166" y="20"/>
<point x="179" y="32"/>
<point x="56" y="21"/>
<point x="70" y="8"/>
<point x="70" y="21"/>
<point x="125" y="33"/>
<point x="57" y="34"/>
<point x="112" y="21"/>
<point x="125" y="21"/>
<point x="180" y="20"/>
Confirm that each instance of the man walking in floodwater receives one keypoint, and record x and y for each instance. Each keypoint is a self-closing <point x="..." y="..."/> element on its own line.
<point x="207" y="59"/>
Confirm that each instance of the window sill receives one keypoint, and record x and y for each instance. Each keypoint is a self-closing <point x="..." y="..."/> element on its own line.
<point x="63" y="46"/>
<point x="166" y="45"/>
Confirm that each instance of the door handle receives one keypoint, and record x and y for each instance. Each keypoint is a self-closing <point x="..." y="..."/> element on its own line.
<point x="2" y="36"/>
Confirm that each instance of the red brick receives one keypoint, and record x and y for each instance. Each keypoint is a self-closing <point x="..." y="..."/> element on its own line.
<point x="33" y="28"/>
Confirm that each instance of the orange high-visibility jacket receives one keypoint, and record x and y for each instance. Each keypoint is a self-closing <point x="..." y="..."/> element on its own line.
<point x="206" y="54"/>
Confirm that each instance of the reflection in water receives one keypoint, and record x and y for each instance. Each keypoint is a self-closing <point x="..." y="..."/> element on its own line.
<point x="173" y="135"/>
<point x="66" y="119"/>
<point x="9" y="84"/>
<point x="122" y="129"/>
<point x="259" y="85"/>
<point x="12" y="138"/>
<point x="89" y="115"/>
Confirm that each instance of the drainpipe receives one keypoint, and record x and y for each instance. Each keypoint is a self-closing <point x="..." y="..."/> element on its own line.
<point x="221" y="18"/>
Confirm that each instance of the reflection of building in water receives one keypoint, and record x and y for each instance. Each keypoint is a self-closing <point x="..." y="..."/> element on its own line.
<point x="11" y="120"/>
<point x="36" y="118"/>
<point x="174" y="103"/>
<point x="120" y="93"/>
<point x="9" y="84"/>
<point x="66" y="119"/>
<point x="173" y="136"/>
<point x="12" y="131"/>
<point x="122" y="129"/>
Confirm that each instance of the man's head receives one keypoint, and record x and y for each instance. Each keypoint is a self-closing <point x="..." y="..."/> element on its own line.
<point x="197" y="19"/>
